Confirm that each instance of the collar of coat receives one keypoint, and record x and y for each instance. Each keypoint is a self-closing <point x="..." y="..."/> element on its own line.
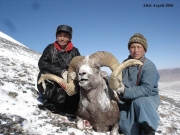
<point x="141" y="59"/>
<point x="68" y="48"/>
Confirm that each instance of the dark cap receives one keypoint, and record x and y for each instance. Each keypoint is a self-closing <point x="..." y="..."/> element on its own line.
<point x="64" y="28"/>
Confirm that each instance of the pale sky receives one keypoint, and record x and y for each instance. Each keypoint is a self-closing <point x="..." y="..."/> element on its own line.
<point x="101" y="25"/>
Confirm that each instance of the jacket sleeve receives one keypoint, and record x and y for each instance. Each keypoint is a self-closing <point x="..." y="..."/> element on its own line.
<point x="45" y="63"/>
<point x="77" y="52"/>
<point x="148" y="83"/>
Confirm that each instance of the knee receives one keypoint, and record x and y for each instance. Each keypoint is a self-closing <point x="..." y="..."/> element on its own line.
<point x="139" y="102"/>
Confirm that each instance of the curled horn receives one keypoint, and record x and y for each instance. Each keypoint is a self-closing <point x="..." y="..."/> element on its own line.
<point x="109" y="60"/>
<point x="106" y="59"/>
<point x="116" y="75"/>
<point x="69" y="87"/>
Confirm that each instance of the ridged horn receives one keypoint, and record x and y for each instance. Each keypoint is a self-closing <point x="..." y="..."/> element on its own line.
<point x="106" y="59"/>
<point x="71" y="86"/>
<point x="114" y="78"/>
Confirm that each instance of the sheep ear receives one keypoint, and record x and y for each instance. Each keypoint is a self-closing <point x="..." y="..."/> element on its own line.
<point x="104" y="74"/>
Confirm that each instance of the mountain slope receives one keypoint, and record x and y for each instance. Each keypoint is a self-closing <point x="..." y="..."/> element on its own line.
<point x="19" y="113"/>
<point x="10" y="39"/>
<point x="14" y="50"/>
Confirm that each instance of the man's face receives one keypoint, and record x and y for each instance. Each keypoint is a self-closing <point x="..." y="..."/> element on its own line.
<point x="63" y="39"/>
<point x="136" y="51"/>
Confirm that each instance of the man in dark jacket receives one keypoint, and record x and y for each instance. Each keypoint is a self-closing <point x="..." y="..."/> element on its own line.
<point x="55" y="60"/>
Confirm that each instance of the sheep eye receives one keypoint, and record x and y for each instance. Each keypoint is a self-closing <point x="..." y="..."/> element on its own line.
<point x="97" y="67"/>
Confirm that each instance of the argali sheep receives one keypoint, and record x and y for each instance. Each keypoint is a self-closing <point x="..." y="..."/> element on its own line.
<point x="98" y="107"/>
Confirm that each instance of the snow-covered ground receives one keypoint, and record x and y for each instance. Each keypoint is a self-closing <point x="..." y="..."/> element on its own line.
<point x="169" y="109"/>
<point x="19" y="113"/>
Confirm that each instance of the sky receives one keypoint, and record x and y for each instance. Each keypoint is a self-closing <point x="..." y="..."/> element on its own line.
<point x="98" y="25"/>
<point x="18" y="100"/>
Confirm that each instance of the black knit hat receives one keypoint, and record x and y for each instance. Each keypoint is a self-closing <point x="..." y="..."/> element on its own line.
<point x="138" y="38"/>
<point x="64" y="28"/>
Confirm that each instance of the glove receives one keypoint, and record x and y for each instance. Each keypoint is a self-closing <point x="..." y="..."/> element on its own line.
<point x="120" y="89"/>
<point x="73" y="76"/>
<point x="64" y="75"/>
<point x="45" y="83"/>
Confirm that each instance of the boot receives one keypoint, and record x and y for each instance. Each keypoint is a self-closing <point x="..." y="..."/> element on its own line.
<point x="141" y="131"/>
<point x="148" y="130"/>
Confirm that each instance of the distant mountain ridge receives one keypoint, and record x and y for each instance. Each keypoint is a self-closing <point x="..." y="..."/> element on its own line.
<point x="169" y="75"/>
<point x="164" y="72"/>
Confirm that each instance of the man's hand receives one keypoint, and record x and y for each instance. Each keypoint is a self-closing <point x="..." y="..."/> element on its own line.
<point x="64" y="75"/>
<point x="121" y="88"/>
<point x="73" y="76"/>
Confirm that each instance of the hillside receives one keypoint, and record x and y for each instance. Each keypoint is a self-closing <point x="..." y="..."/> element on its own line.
<point x="16" y="50"/>
<point x="19" y="113"/>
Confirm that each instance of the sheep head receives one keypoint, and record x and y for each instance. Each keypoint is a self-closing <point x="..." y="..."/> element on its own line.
<point x="89" y="73"/>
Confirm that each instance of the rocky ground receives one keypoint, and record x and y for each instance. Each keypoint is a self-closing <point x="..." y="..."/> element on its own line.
<point x="18" y="88"/>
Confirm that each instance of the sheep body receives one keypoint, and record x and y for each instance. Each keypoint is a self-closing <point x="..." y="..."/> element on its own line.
<point x="97" y="105"/>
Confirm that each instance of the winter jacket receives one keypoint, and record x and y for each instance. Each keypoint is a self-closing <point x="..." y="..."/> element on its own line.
<point x="55" y="61"/>
<point x="141" y="102"/>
